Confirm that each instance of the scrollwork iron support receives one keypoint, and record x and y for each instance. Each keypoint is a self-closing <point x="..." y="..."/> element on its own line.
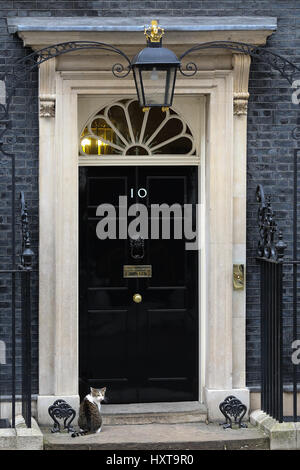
<point x="232" y="407"/>
<point x="286" y="68"/>
<point x="62" y="410"/>
<point x="23" y="67"/>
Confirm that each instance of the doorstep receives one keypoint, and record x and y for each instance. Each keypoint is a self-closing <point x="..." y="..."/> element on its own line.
<point x="151" y="413"/>
<point x="185" y="436"/>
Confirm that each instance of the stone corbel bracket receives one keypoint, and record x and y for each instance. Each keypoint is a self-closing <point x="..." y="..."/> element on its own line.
<point x="47" y="106"/>
<point x="240" y="103"/>
<point x="241" y="66"/>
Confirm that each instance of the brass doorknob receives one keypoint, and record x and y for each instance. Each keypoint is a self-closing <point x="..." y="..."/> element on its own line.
<point x="137" y="298"/>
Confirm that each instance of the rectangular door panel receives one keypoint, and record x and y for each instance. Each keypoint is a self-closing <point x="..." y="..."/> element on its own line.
<point x="108" y="331"/>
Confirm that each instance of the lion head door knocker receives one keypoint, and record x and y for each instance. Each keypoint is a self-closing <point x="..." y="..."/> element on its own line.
<point x="137" y="248"/>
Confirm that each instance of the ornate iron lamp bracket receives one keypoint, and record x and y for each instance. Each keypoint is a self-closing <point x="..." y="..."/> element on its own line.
<point x="24" y="66"/>
<point x="286" y="68"/>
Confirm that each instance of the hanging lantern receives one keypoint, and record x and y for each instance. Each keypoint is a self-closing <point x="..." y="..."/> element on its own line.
<point x="154" y="69"/>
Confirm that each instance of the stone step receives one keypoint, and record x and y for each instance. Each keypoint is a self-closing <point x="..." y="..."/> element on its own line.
<point x="151" y="413"/>
<point x="185" y="436"/>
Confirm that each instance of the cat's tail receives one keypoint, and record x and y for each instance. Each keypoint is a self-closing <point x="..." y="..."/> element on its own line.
<point x="79" y="433"/>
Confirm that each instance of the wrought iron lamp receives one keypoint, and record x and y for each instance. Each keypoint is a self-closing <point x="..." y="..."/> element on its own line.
<point x="154" y="70"/>
<point x="154" y="67"/>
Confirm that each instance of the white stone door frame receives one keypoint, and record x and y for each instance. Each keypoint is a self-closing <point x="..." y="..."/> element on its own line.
<point x="222" y="310"/>
<point x="191" y="108"/>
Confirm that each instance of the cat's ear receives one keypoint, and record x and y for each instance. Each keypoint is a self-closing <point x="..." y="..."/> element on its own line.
<point x="103" y="390"/>
<point x="93" y="390"/>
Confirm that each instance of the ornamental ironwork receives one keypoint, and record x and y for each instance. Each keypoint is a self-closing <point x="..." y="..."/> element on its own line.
<point x="62" y="410"/>
<point x="285" y="67"/>
<point x="269" y="246"/>
<point x="23" y="67"/>
<point x="233" y="408"/>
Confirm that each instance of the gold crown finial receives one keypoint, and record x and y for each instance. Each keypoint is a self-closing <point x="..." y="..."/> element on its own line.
<point x="154" y="33"/>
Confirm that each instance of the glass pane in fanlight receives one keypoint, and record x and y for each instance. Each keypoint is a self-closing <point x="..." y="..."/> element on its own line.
<point x="136" y="116"/>
<point x="98" y="145"/>
<point x="154" y="82"/>
<point x="151" y="135"/>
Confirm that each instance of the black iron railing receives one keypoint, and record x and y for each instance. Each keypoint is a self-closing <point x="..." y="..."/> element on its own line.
<point x="15" y="367"/>
<point x="280" y="345"/>
<point x="271" y="338"/>
<point x="291" y="370"/>
<point x="280" y="289"/>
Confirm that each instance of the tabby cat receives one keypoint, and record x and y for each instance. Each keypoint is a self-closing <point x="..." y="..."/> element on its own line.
<point x="90" y="420"/>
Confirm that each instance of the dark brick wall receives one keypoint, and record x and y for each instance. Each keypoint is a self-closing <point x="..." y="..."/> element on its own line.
<point x="271" y="118"/>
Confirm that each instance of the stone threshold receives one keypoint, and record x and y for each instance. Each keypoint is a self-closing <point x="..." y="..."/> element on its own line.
<point x="21" y="437"/>
<point x="184" y="436"/>
<point x="147" y="413"/>
<point x="283" y="436"/>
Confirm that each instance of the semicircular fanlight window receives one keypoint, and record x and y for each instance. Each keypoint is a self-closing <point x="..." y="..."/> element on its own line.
<point x="122" y="128"/>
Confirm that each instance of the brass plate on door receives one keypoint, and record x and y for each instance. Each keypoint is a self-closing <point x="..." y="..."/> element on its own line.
<point x="137" y="270"/>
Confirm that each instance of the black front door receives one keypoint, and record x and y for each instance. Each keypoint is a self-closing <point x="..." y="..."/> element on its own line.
<point x="146" y="351"/>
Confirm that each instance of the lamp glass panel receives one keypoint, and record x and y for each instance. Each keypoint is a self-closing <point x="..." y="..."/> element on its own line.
<point x="155" y="84"/>
<point x="138" y="85"/>
<point x="171" y="83"/>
